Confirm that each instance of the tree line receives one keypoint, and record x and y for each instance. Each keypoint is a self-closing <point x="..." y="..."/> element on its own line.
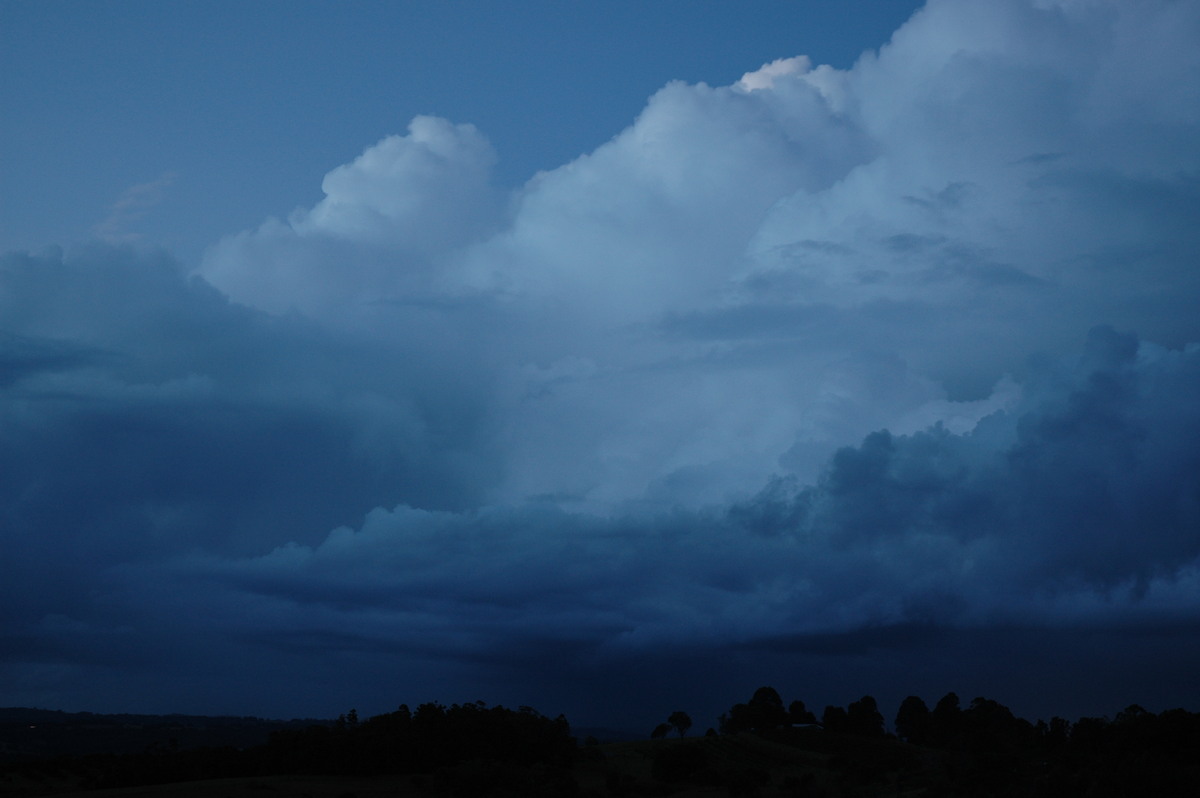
<point x="521" y="751"/>
<point x="978" y="749"/>
<point x="473" y="749"/>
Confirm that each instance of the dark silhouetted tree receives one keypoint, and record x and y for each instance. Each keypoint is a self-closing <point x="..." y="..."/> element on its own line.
<point x="767" y="710"/>
<point x="660" y="731"/>
<point x="945" y="722"/>
<point x="912" y="721"/>
<point x="834" y="719"/>
<point x="990" y="727"/>
<point x="1055" y="734"/>
<point x="680" y="722"/>
<point x="764" y="711"/>
<point x="864" y="718"/>
<point x="798" y="714"/>
<point x="432" y="737"/>
<point x="734" y="720"/>
<point x="1089" y="736"/>
<point x="767" y="696"/>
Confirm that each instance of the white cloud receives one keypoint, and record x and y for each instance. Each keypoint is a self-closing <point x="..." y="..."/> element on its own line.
<point x="388" y="222"/>
<point x="422" y="191"/>
<point x="947" y="206"/>
<point x="765" y="76"/>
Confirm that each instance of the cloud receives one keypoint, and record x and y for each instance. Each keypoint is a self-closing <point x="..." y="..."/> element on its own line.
<point x="1076" y="507"/>
<point x="1084" y="485"/>
<point x="817" y="218"/>
<point x="790" y="365"/>
<point x="133" y="205"/>
<point x="146" y="415"/>
<point x="1006" y="557"/>
<point x="386" y="224"/>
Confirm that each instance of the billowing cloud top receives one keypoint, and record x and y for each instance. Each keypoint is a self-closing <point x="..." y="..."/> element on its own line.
<point x="821" y="351"/>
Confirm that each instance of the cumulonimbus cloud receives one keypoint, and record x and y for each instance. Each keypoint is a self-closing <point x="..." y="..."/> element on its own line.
<point x="795" y="356"/>
<point x="1082" y="496"/>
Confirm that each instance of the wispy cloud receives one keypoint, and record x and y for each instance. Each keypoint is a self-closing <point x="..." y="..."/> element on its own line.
<point x="134" y="204"/>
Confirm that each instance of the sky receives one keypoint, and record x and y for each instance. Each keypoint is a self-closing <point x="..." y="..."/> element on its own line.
<point x="607" y="358"/>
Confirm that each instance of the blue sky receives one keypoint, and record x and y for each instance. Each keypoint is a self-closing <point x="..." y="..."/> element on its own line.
<point x="233" y="111"/>
<point x="611" y="359"/>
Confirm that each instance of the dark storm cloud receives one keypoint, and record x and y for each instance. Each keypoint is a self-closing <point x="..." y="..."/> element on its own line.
<point x="145" y="416"/>
<point x="1082" y="501"/>
<point x="788" y="368"/>
<point x="1093" y="480"/>
<point x="22" y="357"/>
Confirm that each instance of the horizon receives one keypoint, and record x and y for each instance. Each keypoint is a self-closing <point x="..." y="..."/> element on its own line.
<point x="608" y="359"/>
<point x="577" y="729"/>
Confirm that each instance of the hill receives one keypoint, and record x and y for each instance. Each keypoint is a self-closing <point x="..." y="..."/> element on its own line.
<point x="475" y="751"/>
<point x="38" y="734"/>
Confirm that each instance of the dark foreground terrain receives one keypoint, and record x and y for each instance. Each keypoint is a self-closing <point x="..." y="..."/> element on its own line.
<point x="761" y="749"/>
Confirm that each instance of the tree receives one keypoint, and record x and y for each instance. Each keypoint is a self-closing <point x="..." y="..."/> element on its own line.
<point x="912" y="721"/>
<point x="988" y="725"/>
<point x="799" y="715"/>
<point x="660" y="731"/>
<point x="1055" y="735"/>
<point x="680" y="722"/>
<point x="767" y="696"/>
<point x="945" y="722"/>
<point x="947" y="707"/>
<point x="765" y="711"/>
<point x="834" y="719"/>
<point x="864" y="718"/>
<point x="348" y="720"/>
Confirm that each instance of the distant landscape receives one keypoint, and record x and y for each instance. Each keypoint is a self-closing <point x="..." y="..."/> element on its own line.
<point x="764" y="747"/>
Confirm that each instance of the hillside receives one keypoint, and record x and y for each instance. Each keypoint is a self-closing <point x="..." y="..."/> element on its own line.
<point x="472" y="750"/>
<point x="27" y="733"/>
